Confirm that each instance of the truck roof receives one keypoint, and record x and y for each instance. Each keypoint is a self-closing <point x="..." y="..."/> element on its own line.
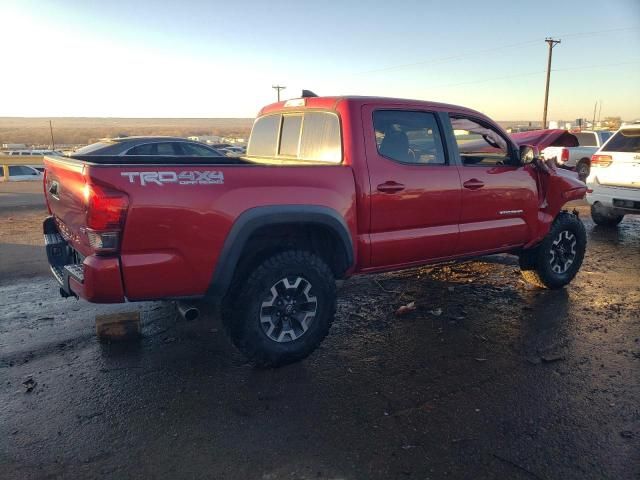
<point x="331" y="103"/>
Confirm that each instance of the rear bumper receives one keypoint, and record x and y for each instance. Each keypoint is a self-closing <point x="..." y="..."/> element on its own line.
<point x="626" y="200"/>
<point x="93" y="278"/>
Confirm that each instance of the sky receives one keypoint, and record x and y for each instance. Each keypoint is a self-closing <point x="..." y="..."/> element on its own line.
<point x="207" y="58"/>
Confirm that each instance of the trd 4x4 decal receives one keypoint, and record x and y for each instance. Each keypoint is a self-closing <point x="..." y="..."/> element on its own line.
<point x="186" y="177"/>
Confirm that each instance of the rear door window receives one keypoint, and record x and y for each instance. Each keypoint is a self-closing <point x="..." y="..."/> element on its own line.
<point x="146" y="149"/>
<point x="409" y="137"/>
<point x="166" y="148"/>
<point x="195" y="150"/>
<point x="627" y="140"/>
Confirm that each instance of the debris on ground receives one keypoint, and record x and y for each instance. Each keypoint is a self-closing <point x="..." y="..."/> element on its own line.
<point x="29" y="384"/>
<point x="436" y="312"/>
<point x="405" y="309"/>
<point x="552" y="357"/>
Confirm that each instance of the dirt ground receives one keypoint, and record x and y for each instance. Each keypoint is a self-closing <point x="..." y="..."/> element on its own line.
<point x="488" y="378"/>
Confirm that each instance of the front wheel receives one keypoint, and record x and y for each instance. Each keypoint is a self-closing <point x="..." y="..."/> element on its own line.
<point x="556" y="261"/>
<point x="283" y="310"/>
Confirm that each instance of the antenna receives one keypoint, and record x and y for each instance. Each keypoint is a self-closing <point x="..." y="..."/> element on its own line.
<point x="53" y="142"/>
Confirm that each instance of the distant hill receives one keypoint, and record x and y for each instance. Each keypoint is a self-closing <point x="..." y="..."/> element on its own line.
<point x="35" y="131"/>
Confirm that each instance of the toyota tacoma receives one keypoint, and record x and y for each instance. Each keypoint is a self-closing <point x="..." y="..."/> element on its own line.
<point x="329" y="187"/>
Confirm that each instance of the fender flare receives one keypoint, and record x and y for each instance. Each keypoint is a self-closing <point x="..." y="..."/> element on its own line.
<point x="251" y="220"/>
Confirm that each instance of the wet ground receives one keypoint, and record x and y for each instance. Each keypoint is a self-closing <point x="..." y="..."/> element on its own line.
<point x="487" y="378"/>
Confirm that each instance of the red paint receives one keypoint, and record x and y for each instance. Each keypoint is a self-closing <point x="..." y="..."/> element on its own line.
<point x="398" y="215"/>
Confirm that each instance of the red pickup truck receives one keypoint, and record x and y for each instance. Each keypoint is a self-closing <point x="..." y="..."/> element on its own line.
<point x="329" y="187"/>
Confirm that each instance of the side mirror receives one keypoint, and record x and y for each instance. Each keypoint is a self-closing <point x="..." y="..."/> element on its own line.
<point x="528" y="154"/>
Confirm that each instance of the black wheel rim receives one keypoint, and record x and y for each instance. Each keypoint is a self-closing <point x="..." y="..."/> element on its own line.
<point x="288" y="309"/>
<point x="583" y="170"/>
<point x="563" y="251"/>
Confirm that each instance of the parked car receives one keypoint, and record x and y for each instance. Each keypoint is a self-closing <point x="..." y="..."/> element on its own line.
<point x="234" y="151"/>
<point x="578" y="157"/>
<point x="149" y="146"/>
<point x="330" y="187"/>
<point x="19" y="173"/>
<point x="614" y="182"/>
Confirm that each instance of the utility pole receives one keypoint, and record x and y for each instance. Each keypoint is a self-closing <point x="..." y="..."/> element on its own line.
<point x="53" y="143"/>
<point x="599" y="110"/>
<point x="278" y="88"/>
<point x="552" y="43"/>
<point x="593" y="122"/>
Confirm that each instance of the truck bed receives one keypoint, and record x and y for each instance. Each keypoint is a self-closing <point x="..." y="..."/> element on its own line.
<point x="180" y="211"/>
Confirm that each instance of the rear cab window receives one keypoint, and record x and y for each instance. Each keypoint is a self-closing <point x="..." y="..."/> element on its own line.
<point x="312" y="136"/>
<point x="626" y="140"/>
<point x="586" y="139"/>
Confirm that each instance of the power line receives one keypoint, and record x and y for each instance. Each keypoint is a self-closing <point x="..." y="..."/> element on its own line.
<point x="531" y="74"/>
<point x="437" y="60"/>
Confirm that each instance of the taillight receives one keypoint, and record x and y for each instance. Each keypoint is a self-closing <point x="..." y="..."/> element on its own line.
<point x="44" y="187"/>
<point x="565" y="155"/>
<point x="601" y="160"/>
<point x="106" y="213"/>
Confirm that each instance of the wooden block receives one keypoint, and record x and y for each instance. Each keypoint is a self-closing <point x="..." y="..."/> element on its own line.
<point x="118" y="326"/>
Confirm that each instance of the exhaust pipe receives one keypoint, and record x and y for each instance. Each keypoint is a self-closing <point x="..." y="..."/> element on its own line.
<point x="187" y="311"/>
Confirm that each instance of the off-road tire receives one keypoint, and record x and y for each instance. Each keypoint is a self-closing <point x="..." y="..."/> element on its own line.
<point x="537" y="264"/>
<point x="583" y="168"/>
<point x="602" y="217"/>
<point x="242" y="311"/>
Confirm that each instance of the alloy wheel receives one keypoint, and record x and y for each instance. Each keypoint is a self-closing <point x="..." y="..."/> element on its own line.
<point x="288" y="309"/>
<point x="563" y="251"/>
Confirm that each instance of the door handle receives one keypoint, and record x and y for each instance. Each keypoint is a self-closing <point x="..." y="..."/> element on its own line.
<point x="390" y="187"/>
<point x="473" y="184"/>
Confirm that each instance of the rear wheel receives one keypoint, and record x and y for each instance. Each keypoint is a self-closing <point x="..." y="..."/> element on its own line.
<point x="604" y="216"/>
<point x="583" y="169"/>
<point x="283" y="310"/>
<point x="556" y="261"/>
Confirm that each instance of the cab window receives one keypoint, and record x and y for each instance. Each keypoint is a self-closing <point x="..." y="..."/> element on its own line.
<point x="309" y="136"/>
<point x="409" y="137"/>
<point x="480" y="145"/>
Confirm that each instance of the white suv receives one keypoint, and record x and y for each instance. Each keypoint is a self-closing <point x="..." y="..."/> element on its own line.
<point x="613" y="185"/>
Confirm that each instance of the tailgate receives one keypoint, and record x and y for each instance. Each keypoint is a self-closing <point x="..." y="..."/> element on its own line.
<point x="624" y="170"/>
<point x="64" y="192"/>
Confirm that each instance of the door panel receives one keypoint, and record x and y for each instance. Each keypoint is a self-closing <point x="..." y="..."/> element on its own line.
<point x="499" y="196"/>
<point x="415" y="207"/>
<point x="502" y="212"/>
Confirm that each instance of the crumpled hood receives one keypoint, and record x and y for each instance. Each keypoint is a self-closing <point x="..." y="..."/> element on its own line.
<point x="542" y="139"/>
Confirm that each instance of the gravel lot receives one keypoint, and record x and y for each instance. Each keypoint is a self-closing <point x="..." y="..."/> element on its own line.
<point x="486" y="379"/>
